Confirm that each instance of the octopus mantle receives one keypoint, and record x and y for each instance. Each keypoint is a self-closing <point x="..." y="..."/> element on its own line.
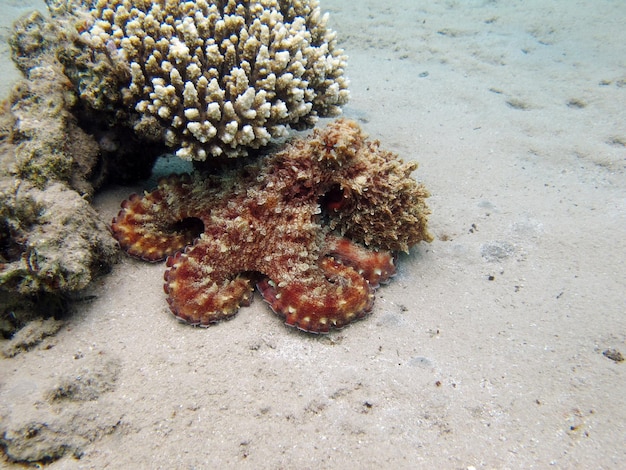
<point x="313" y="226"/>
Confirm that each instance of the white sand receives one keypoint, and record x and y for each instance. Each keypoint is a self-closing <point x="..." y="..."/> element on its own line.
<point x="516" y="112"/>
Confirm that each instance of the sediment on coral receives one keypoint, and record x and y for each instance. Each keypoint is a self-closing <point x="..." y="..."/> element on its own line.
<point x="207" y="78"/>
<point x="42" y="141"/>
<point x="52" y="240"/>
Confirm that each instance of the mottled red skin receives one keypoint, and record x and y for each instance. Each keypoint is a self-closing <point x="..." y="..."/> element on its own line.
<point x="266" y="224"/>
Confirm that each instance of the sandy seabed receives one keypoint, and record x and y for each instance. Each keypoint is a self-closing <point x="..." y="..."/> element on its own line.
<point x="492" y="346"/>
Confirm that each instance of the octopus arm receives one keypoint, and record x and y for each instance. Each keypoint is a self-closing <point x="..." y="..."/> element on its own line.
<point x="204" y="287"/>
<point x="340" y="291"/>
<point x="337" y="297"/>
<point x="159" y="223"/>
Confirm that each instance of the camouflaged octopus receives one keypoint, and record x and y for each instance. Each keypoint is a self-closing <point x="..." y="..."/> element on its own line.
<point x="313" y="226"/>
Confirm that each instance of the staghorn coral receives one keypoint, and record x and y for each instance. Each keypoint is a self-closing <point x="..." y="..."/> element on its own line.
<point x="209" y="78"/>
<point x="284" y="218"/>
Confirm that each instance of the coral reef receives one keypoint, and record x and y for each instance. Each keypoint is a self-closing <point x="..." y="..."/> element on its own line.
<point x="207" y="78"/>
<point x="285" y="219"/>
<point x="52" y="242"/>
<point x="40" y="140"/>
<point x="111" y="84"/>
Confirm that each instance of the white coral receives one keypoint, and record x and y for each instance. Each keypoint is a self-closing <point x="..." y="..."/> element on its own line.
<point x="220" y="77"/>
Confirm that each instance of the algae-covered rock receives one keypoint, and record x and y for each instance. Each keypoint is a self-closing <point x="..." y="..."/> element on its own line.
<point x="46" y="134"/>
<point x="53" y="157"/>
<point x="41" y="139"/>
<point x="52" y="243"/>
<point x="52" y="239"/>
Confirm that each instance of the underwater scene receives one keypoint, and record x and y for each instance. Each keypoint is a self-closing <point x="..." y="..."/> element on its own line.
<point x="312" y="234"/>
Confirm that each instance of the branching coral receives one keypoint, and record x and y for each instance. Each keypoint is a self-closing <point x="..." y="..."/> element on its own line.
<point x="210" y="78"/>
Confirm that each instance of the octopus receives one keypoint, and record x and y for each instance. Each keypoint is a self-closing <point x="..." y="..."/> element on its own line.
<point x="314" y="226"/>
